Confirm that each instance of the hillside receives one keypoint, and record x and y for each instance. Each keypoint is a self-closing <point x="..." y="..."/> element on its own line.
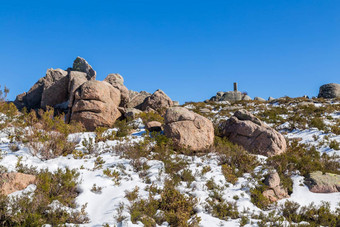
<point x="126" y="176"/>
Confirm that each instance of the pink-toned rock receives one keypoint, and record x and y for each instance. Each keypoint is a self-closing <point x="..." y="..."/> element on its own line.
<point x="117" y="81"/>
<point x="255" y="136"/>
<point x="55" y="89"/>
<point x="154" y="126"/>
<point x="96" y="104"/>
<point x="188" y="129"/>
<point x="158" y="101"/>
<point x="12" y="182"/>
<point x="275" y="191"/>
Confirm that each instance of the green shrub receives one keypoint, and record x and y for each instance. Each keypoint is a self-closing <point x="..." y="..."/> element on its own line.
<point x="33" y="209"/>
<point x="151" y="116"/>
<point x="123" y="127"/>
<point x="177" y="208"/>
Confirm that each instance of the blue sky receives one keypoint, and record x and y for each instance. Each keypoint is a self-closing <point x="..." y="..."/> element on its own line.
<point x="189" y="49"/>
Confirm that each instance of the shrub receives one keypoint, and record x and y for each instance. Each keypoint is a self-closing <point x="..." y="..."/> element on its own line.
<point x="176" y="208"/>
<point x="34" y="209"/>
<point x="258" y="199"/>
<point x="234" y="159"/>
<point x="123" y="127"/>
<point x="334" y="145"/>
<point x="318" y="123"/>
<point x="299" y="157"/>
<point x="151" y="116"/>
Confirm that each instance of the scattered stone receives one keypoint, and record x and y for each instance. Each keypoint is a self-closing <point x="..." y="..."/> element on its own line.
<point x="329" y="91"/>
<point x="154" y="126"/>
<point x="259" y="99"/>
<point x="323" y="183"/>
<point x="271" y="99"/>
<point x="275" y="191"/>
<point x="12" y="182"/>
<point x="305" y="103"/>
<point x="205" y="110"/>
<point x="96" y="104"/>
<point x="256" y="137"/>
<point x="81" y="65"/>
<point x="158" y="101"/>
<point x="188" y="129"/>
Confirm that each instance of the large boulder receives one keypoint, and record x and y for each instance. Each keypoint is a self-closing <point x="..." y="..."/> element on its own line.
<point x="12" y="182"/>
<point x="319" y="182"/>
<point x="158" y="101"/>
<point x="76" y="79"/>
<point x="255" y="136"/>
<point x="188" y="129"/>
<point x="96" y="104"/>
<point x="137" y="99"/>
<point x="81" y="65"/>
<point x="329" y="91"/>
<point x="117" y="81"/>
<point x="55" y="88"/>
<point x="48" y="90"/>
<point x="275" y="190"/>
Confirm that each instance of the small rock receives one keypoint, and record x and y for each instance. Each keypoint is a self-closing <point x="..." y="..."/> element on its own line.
<point x="12" y="182"/>
<point x="154" y="126"/>
<point x="259" y="99"/>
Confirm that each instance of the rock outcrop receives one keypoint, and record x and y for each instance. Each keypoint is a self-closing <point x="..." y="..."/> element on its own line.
<point x="230" y="96"/>
<point x="55" y="89"/>
<point x="137" y="99"/>
<point x="275" y="191"/>
<point x="12" y="182"/>
<point x="323" y="183"/>
<point x="81" y="65"/>
<point x="255" y="136"/>
<point x="188" y="129"/>
<point x="48" y="90"/>
<point x="96" y="104"/>
<point x="329" y="91"/>
<point x="158" y="101"/>
<point x="117" y="81"/>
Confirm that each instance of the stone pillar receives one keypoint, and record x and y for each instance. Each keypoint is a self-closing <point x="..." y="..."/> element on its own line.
<point x="235" y="86"/>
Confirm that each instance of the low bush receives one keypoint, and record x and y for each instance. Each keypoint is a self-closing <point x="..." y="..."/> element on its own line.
<point x="35" y="209"/>
<point x="176" y="208"/>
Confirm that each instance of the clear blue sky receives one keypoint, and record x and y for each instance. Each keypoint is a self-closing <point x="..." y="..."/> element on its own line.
<point x="189" y="49"/>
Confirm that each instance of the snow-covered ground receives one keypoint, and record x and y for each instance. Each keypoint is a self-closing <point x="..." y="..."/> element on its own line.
<point x="103" y="207"/>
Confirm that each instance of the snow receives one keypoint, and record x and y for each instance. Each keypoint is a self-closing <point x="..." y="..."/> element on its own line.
<point x="102" y="207"/>
<point x="304" y="197"/>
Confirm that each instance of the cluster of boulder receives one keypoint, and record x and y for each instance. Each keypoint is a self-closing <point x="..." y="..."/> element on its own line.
<point x="94" y="103"/>
<point x="76" y="92"/>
